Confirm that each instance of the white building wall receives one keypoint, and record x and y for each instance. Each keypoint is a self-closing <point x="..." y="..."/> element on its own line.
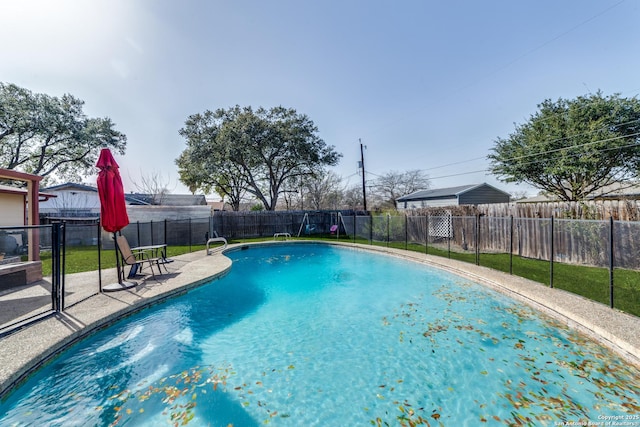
<point x="70" y="199"/>
<point x="11" y="210"/>
<point x="160" y="213"/>
<point x="417" y="204"/>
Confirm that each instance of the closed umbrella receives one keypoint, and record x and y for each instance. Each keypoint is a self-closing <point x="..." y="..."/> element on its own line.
<point x="113" y="210"/>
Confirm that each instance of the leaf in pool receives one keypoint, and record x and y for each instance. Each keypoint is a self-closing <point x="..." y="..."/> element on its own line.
<point x="435" y="416"/>
<point x="632" y="406"/>
<point x="291" y="367"/>
<point x="484" y="372"/>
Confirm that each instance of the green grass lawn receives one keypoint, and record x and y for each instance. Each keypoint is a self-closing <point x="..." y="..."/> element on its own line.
<point x="590" y="282"/>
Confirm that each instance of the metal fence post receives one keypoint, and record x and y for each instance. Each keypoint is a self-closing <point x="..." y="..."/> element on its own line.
<point x="355" y="217"/>
<point x="406" y="232"/>
<point x="477" y="238"/>
<point x="511" y="244"/>
<point x="449" y="237"/>
<point x="151" y="225"/>
<point x="138" y="232"/>
<point x="388" y="231"/>
<point x="611" y="262"/>
<point x="189" y="234"/>
<point x="165" y="231"/>
<point x="551" y="255"/>
<point x="55" y="266"/>
<point x="64" y="262"/>
<point x="426" y="234"/>
<point x="371" y="229"/>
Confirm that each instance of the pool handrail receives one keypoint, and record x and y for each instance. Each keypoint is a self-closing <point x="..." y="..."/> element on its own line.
<point x="218" y="248"/>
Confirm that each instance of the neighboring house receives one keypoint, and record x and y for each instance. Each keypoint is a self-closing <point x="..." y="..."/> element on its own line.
<point x="473" y="194"/>
<point x="217" y="206"/>
<point x="81" y="202"/>
<point x="72" y="201"/>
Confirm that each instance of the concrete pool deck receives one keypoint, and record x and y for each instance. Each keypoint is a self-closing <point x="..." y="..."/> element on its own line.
<point x="28" y="348"/>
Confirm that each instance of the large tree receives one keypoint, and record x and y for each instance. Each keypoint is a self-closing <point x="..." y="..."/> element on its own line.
<point x="324" y="191"/>
<point x="239" y="149"/>
<point x="571" y="148"/>
<point x="50" y="136"/>
<point x="393" y="185"/>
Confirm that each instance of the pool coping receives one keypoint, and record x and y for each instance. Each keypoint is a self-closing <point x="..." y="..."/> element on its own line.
<point x="24" y="351"/>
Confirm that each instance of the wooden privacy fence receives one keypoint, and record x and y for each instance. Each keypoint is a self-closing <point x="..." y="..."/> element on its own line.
<point x="584" y="242"/>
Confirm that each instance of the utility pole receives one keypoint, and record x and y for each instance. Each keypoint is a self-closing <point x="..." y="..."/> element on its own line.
<point x="364" y="189"/>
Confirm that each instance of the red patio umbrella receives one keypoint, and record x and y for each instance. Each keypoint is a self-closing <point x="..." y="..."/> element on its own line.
<point x="113" y="210"/>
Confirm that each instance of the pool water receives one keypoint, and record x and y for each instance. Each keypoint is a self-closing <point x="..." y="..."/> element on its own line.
<point x="306" y="334"/>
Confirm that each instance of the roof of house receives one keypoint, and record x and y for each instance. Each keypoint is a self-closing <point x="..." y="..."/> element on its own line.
<point x="71" y="185"/>
<point x="8" y="189"/>
<point x="139" y="198"/>
<point x="443" y="193"/>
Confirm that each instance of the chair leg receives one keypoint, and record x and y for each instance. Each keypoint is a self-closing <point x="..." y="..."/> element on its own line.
<point x="151" y="268"/>
<point x="160" y="263"/>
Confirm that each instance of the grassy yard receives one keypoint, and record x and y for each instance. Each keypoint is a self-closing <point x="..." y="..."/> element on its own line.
<point x="591" y="282"/>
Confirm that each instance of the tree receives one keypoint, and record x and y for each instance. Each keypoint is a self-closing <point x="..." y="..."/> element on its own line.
<point x="154" y="185"/>
<point x="324" y="191"/>
<point x="394" y="184"/>
<point x="352" y="198"/>
<point x="571" y="148"/>
<point x="51" y="136"/>
<point x="258" y="151"/>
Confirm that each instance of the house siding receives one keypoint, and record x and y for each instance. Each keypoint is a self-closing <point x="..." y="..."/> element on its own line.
<point x="482" y="195"/>
<point x="12" y="210"/>
<point x="71" y="200"/>
<point x="454" y="196"/>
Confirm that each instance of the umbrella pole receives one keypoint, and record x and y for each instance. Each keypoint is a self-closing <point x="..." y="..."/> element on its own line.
<point x="122" y="284"/>
<point x="115" y="246"/>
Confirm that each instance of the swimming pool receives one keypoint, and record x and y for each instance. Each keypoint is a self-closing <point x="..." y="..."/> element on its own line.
<point x="319" y="335"/>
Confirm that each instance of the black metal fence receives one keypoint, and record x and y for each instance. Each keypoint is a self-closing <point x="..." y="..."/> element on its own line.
<point x="597" y="259"/>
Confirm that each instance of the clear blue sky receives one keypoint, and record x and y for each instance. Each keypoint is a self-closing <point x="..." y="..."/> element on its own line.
<point x="424" y="84"/>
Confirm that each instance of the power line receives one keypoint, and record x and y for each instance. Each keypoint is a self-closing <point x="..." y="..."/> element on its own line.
<point x="549" y="142"/>
<point x="486" y="170"/>
<point x="534" y="162"/>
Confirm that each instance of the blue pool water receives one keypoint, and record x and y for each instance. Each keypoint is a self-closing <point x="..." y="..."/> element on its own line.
<point x="303" y="335"/>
